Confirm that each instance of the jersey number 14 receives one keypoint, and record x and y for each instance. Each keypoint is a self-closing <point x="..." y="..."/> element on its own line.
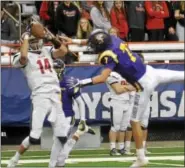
<point x="44" y="65"/>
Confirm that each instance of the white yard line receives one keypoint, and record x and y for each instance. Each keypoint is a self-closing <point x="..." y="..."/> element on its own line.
<point x="166" y="164"/>
<point x="72" y="160"/>
<point x="45" y="156"/>
<point x="155" y="147"/>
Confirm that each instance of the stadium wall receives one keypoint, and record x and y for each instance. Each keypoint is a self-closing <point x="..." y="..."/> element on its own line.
<point x="167" y="103"/>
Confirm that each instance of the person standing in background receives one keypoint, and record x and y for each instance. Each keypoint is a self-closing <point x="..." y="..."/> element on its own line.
<point x="47" y="14"/>
<point x="100" y="16"/>
<point x="156" y="12"/>
<point x="118" y="19"/>
<point x="67" y="16"/>
<point x="179" y="15"/>
<point x="170" y="23"/>
<point x="8" y="28"/>
<point x="136" y="20"/>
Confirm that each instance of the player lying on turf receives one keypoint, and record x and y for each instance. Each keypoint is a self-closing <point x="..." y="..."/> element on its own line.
<point x="45" y="89"/>
<point x="68" y="96"/>
<point x="116" y="56"/>
<point x="120" y="113"/>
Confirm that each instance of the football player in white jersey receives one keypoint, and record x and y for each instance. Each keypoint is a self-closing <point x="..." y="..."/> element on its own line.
<point x="120" y="114"/>
<point x="44" y="84"/>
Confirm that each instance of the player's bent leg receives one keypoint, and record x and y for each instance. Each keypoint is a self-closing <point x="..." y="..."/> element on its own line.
<point x="60" y="130"/>
<point x="38" y="115"/>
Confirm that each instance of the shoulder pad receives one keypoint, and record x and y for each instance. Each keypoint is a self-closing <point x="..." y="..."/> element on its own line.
<point x="108" y="53"/>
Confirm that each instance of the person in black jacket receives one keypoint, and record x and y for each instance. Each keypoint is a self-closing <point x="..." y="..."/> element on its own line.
<point x="170" y="24"/>
<point x="67" y="17"/>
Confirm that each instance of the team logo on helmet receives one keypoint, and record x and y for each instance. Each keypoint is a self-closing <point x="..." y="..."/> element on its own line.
<point x="100" y="38"/>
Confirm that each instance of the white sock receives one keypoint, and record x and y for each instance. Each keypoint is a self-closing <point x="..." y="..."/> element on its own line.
<point x="112" y="145"/>
<point x="127" y="146"/>
<point x="55" y="151"/>
<point x="140" y="153"/>
<point x="17" y="156"/>
<point x="121" y="145"/>
<point x="68" y="147"/>
<point x="144" y="144"/>
<point x="26" y="142"/>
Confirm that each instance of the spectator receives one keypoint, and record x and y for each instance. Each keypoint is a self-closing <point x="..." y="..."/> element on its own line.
<point x="170" y="24"/>
<point x="114" y="31"/>
<point x="8" y="28"/>
<point x="84" y="29"/>
<point x="179" y="15"/>
<point x="86" y="8"/>
<point x="100" y="16"/>
<point x="38" y="6"/>
<point x="156" y="11"/>
<point x="48" y="13"/>
<point x="109" y="5"/>
<point x="119" y="19"/>
<point x="136" y="20"/>
<point x="67" y="17"/>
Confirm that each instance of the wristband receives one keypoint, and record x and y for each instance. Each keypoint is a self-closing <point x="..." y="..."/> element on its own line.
<point x="86" y="82"/>
<point x="76" y="41"/>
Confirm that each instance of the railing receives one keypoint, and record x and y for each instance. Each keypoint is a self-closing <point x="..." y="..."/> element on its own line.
<point x="166" y="51"/>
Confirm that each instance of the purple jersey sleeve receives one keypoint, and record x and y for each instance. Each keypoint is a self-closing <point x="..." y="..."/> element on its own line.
<point x="108" y="62"/>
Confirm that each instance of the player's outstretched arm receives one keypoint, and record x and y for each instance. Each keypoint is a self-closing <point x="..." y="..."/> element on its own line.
<point x="68" y="40"/>
<point x="72" y="83"/>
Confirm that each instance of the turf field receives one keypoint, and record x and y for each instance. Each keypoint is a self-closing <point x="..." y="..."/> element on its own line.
<point x="159" y="157"/>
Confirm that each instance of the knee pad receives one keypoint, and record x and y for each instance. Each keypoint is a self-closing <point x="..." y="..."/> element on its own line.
<point x="62" y="140"/>
<point x="33" y="141"/>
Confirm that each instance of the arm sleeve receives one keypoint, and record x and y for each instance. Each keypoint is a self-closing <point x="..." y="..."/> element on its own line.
<point x="97" y="19"/>
<point x="108" y="62"/>
<point x="166" y="12"/>
<point x="16" y="61"/>
<point x="150" y="11"/>
<point x="113" y="19"/>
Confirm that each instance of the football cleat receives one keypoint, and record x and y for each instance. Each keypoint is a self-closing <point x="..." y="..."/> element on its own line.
<point x="122" y="151"/>
<point x="91" y="131"/>
<point x="139" y="163"/>
<point x="12" y="162"/>
<point x="128" y="153"/>
<point x="114" y="152"/>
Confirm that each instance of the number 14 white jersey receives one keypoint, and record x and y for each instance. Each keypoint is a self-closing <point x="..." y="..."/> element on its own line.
<point x="39" y="71"/>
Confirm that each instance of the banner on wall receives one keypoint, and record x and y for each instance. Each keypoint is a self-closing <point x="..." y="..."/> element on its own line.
<point x="167" y="102"/>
